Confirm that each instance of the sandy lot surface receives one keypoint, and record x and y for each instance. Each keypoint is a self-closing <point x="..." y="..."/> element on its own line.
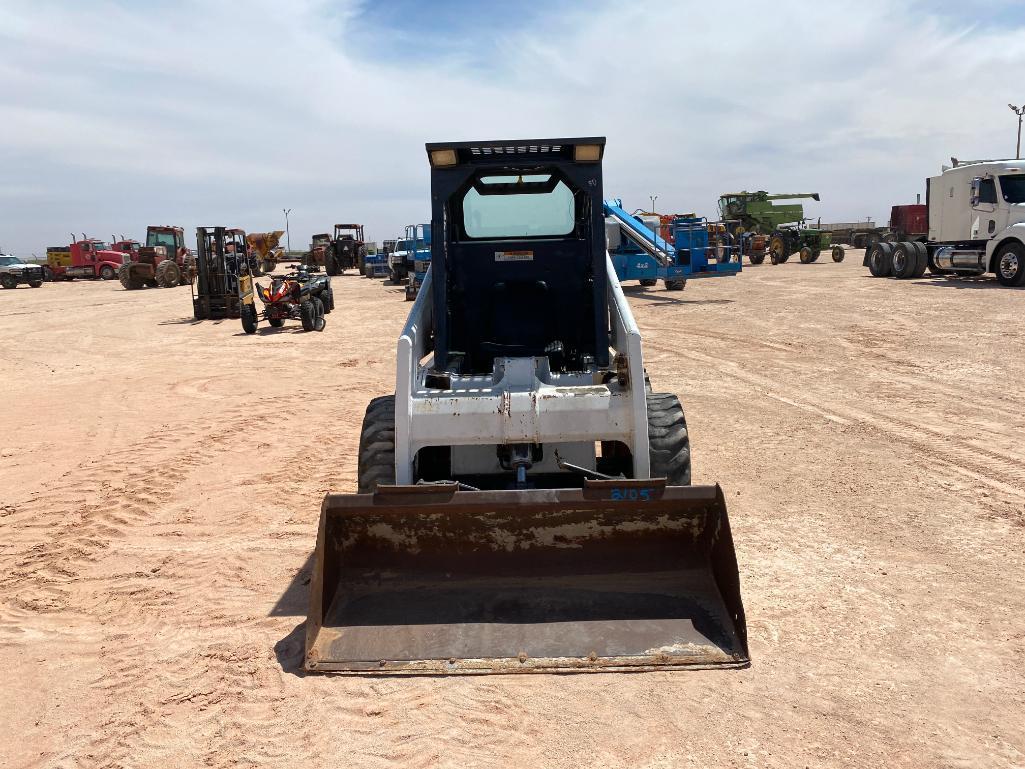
<point x="160" y="482"/>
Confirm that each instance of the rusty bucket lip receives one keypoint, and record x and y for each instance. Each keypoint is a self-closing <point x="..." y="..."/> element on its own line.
<point x="516" y="666"/>
<point x="630" y="494"/>
<point x="609" y="495"/>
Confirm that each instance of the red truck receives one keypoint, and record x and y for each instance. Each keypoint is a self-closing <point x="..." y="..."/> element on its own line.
<point x="908" y="223"/>
<point x="126" y="246"/>
<point x="85" y="258"/>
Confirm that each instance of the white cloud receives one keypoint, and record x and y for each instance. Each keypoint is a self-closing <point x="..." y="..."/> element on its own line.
<point x="221" y="112"/>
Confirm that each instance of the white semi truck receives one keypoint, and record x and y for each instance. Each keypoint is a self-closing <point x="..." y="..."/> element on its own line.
<point x="976" y="213"/>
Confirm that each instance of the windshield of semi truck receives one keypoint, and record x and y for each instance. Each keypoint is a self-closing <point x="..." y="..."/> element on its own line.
<point x="160" y="239"/>
<point x="1013" y="188"/>
<point x="531" y="214"/>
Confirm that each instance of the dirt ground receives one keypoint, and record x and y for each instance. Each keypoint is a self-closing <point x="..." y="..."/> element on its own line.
<point x="160" y="483"/>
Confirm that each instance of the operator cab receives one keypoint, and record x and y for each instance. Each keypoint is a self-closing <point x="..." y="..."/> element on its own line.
<point x="521" y="265"/>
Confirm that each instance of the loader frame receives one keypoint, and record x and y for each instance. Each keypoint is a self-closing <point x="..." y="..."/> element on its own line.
<point x="528" y="403"/>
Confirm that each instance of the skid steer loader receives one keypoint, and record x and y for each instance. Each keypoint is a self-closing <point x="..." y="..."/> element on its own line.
<point x="524" y="499"/>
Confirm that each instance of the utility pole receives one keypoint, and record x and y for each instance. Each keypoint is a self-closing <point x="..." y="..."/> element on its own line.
<point x="288" y="235"/>
<point x="652" y="198"/>
<point x="1019" y="111"/>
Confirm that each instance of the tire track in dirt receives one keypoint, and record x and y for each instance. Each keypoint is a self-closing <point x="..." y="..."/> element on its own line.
<point x="1003" y="472"/>
<point x="206" y="669"/>
<point x="67" y="572"/>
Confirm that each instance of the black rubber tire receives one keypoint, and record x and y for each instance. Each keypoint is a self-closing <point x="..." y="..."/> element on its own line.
<point x="128" y="281"/>
<point x="8" y="281"/>
<point x="308" y="315"/>
<point x="330" y="265"/>
<point x="1010" y="265"/>
<point x="838" y="254"/>
<point x="923" y="260"/>
<point x="377" y="446"/>
<point x="648" y="282"/>
<point x="676" y="285"/>
<point x="35" y="284"/>
<point x="48" y="274"/>
<point x="328" y="298"/>
<point x="777" y="247"/>
<point x="756" y="258"/>
<point x="668" y="441"/>
<point x="167" y="273"/>
<point x="815" y="254"/>
<point x="879" y="262"/>
<point x="249" y="318"/>
<point x="807" y="256"/>
<point x="276" y="322"/>
<point x="319" y="321"/>
<point x="107" y="272"/>
<point x="904" y="260"/>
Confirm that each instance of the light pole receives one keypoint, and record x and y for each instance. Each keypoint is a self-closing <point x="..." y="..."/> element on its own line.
<point x="652" y="198"/>
<point x="1019" y="111"/>
<point x="288" y="235"/>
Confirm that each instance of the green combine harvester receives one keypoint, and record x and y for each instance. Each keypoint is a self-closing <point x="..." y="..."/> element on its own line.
<point x="751" y="214"/>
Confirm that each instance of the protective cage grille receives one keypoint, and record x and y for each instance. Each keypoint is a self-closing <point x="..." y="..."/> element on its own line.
<point x="520" y="149"/>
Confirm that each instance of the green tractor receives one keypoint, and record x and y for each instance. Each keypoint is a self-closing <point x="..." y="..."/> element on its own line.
<point x="754" y="213"/>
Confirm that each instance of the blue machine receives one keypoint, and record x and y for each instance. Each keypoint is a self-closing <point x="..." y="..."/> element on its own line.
<point x="420" y="236"/>
<point x="639" y="253"/>
<point x="376" y="265"/>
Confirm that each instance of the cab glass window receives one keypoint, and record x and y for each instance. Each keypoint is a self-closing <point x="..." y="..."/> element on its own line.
<point x="541" y="209"/>
<point x="1013" y="188"/>
<point x="987" y="191"/>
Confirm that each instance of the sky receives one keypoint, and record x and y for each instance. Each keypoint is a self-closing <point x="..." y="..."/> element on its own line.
<point x="115" y="114"/>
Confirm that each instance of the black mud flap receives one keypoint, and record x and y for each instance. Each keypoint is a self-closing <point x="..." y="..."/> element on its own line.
<point x="619" y="575"/>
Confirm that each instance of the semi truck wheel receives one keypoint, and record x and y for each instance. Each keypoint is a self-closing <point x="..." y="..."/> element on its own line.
<point x="377" y="446"/>
<point x="107" y="272"/>
<point x="923" y="260"/>
<point x="1010" y="265"/>
<point x="668" y="441"/>
<point x="904" y="260"/>
<point x="879" y="263"/>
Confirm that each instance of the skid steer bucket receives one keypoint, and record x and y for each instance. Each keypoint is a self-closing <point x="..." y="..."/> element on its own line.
<point x="618" y="575"/>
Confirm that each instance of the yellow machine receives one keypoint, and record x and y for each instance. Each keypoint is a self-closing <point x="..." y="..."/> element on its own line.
<point x="264" y="245"/>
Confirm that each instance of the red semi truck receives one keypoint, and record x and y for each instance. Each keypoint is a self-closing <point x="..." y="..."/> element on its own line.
<point x="85" y="258"/>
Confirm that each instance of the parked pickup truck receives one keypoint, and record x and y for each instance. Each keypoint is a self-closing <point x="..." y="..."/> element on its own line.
<point x="14" y="271"/>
